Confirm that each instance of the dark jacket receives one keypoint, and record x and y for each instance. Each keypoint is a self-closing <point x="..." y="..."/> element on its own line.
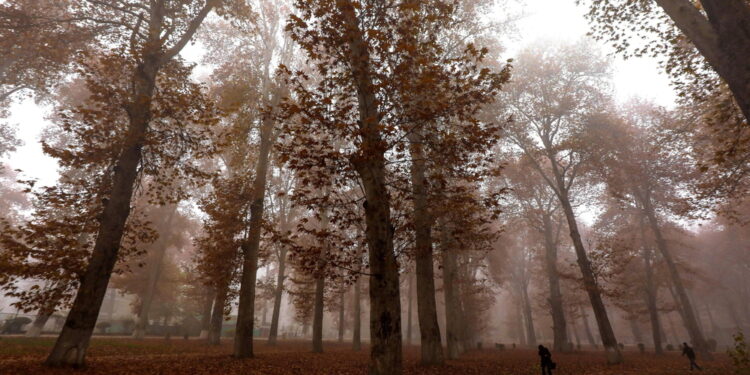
<point x="688" y="351"/>
<point x="545" y="355"/>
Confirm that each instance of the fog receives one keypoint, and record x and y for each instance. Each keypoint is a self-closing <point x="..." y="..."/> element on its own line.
<point x="427" y="181"/>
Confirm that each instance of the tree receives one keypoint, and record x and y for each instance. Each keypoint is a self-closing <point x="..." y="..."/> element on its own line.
<point x="141" y="53"/>
<point x="556" y="90"/>
<point x="647" y="172"/>
<point x="712" y="27"/>
<point x="539" y="208"/>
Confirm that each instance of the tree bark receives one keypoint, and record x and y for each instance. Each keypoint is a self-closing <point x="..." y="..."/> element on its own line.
<point x="385" y="304"/>
<point x="409" y="309"/>
<point x="217" y="316"/>
<point x="688" y="313"/>
<point x="206" y="313"/>
<point x="357" y="329"/>
<point x="651" y="294"/>
<point x="243" y="340"/>
<point x="519" y="324"/>
<point x="429" y="330"/>
<point x="589" y="280"/>
<point x="278" y="294"/>
<point x="559" y="328"/>
<point x="587" y="328"/>
<point x="73" y="342"/>
<point x="317" y="339"/>
<point x="722" y="37"/>
<point x="452" y="311"/>
<point x="342" y="317"/>
<point x="38" y="325"/>
<point x="528" y="317"/>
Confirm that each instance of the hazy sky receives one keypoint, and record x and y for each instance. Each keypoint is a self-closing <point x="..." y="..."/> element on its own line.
<point x="547" y="19"/>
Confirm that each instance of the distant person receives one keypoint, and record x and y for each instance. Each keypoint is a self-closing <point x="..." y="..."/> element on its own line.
<point x="690" y="353"/>
<point x="546" y="358"/>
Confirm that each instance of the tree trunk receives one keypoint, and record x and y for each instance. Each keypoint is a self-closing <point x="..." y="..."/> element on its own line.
<point x="696" y="336"/>
<point x="206" y="313"/>
<point x="574" y="328"/>
<point x="342" y="318"/>
<point x="217" y="316"/>
<point x="357" y="329"/>
<point x="527" y="315"/>
<point x="555" y="297"/>
<point x="385" y="304"/>
<point x="409" y="314"/>
<point x="153" y="279"/>
<point x="278" y="294"/>
<point x="429" y="330"/>
<point x="452" y="312"/>
<point x="243" y="340"/>
<point x="72" y="343"/>
<point x="38" y="325"/>
<point x="317" y="339"/>
<point x="723" y="38"/>
<point x="518" y="327"/>
<point x="651" y="293"/>
<point x="636" y="330"/>
<point x="589" y="280"/>
<point x="587" y="328"/>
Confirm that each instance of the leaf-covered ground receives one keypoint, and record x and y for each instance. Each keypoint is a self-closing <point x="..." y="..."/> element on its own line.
<point x="120" y="356"/>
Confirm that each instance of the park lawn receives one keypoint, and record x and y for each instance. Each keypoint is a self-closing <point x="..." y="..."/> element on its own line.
<point x="125" y="356"/>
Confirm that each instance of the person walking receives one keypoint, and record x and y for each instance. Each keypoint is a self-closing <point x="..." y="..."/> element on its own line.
<point x="546" y="357"/>
<point x="690" y="353"/>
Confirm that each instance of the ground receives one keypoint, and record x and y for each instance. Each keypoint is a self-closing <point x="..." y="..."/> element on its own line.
<point x="120" y="356"/>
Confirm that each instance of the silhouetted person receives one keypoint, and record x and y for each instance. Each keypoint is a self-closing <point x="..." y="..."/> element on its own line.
<point x="688" y="351"/>
<point x="546" y="358"/>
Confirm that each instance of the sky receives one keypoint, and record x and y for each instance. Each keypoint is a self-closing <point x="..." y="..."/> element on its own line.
<point x="545" y="19"/>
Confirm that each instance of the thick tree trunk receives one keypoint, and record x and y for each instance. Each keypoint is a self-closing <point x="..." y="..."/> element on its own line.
<point x="243" y="340"/>
<point x="429" y="330"/>
<point x="688" y="313"/>
<point x="342" y="317"/>
<point x="651" y="294"/>
<point x="528" y="317"/>
<point x="723" y="38"/>
<point x="206" y="313"/>
<point x="38" y="325"/>
<point x="70" y="347"/>
<point x="385" y="303"/>
<point x="357" y="329"/>
<point x="217" y="316"/>
<point x="518" y="327"/>
<point x="452" y="311"/>
<point x="278" y="294"/>
<point x="317" y="339"/>
<point x="559" y="329"/>
<point x="589" y="280"/>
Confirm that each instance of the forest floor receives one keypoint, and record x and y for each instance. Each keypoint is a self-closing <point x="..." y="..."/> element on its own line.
<point x="121" y="356"/>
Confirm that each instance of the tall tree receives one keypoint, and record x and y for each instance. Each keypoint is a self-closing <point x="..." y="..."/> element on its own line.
<point x="645" y="169"/>
<point x="539" y="208"/>
<point x="139" y="32"/>
<point x="553" y="95"/>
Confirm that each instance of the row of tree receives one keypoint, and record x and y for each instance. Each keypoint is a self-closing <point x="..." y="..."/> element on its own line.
<point x="342" y="139"/>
